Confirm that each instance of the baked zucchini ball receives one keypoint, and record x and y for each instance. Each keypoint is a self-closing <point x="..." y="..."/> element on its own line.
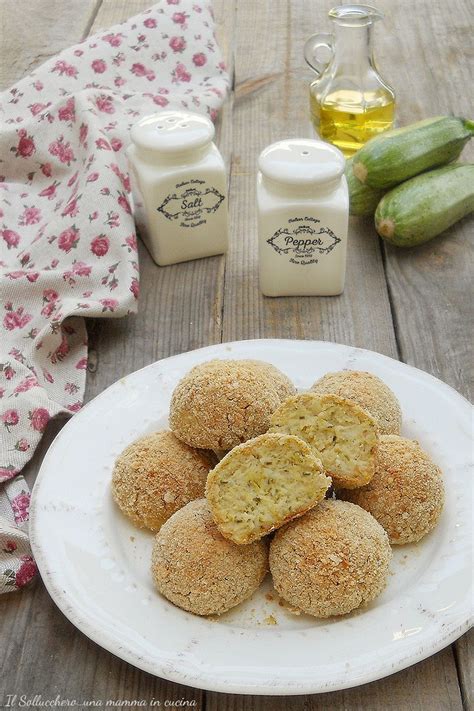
<point x="263" y="483"/>
<point x="222" y="403"/>
<point x="197" y="569"/>
<point x="155" y="476"/>
<point x="406" y="493"/>
<point x="332" y="560"/>
<point x="369" y="392"/>
<point x="341" y="433"/>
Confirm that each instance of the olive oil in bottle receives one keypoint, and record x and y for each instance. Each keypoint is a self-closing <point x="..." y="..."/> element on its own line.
<point x="348" y="119"/>
<point x="350" y="102"/>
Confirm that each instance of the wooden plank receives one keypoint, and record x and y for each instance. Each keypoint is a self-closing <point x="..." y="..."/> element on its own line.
<point x="34" y="30"/>
<point x="30" y="620"/>
<point x="270" y="104"/>
<point x="431" y="286"/>
<point x="180" y="309"/>
<point x="464" y="651"/>
<point x="180" y="306"/>
<point x="409" y="690"/>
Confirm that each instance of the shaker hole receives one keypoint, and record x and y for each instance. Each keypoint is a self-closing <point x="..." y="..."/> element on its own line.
<point x="184" y="125"/>
<point x="305" y="153"/>
<point x="171" y="120"/>
<point x="160" y="125"/>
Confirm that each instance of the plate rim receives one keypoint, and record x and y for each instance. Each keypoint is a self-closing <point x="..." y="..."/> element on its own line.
<point x="206" y="681"/>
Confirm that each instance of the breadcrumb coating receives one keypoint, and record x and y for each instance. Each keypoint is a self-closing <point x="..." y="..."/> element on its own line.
<point x="222" y="403"/>
<point x="262" y="484"/>
<point x="406" y="493"/>
<point x="368" y="391"/>
<point x="331" y="561"/>
<point x="199" y="570"/>
<point x="156" y="475"/>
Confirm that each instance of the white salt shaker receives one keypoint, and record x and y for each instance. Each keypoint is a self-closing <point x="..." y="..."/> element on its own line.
<point x="179" y="186"/>
<point x="303" y="213"/>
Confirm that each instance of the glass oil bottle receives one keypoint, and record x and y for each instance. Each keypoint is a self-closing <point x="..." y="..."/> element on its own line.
<point x="349" y="101"/>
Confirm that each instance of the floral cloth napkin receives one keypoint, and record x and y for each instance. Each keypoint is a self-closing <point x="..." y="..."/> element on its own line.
<point x="68" y="244"/>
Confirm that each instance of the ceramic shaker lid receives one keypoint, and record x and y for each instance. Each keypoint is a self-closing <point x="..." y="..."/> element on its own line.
<point x="172" y="131"/>
<point x="301" y="161"/>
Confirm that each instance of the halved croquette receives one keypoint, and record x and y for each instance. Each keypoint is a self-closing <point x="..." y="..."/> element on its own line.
<point x="262" y="484"/>
<point x="340" y="432"/>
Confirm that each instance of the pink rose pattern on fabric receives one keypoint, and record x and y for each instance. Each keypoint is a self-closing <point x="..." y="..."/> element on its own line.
<point x="68" y="246"/>
<point x="21" y="507"/>
<point x="24" y="574"/>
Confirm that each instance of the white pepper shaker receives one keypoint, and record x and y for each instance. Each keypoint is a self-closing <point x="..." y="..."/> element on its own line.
<point x="179" y="187"/>
<point x="303" y="213"/>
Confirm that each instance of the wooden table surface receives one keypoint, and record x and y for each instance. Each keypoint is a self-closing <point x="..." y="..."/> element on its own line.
<point x="412" y="305"/>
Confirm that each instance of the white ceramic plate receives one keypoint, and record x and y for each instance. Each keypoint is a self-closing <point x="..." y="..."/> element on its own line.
<point x="95" y="564"/>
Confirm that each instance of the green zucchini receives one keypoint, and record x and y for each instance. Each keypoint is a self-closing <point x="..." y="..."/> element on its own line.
<point x="425" y="206"/>
<point x="362" y="198"/>
<point x="400" y="154"/>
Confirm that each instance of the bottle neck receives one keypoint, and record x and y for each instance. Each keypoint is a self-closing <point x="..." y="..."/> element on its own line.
<point x="353" y="46"/>
<point x="181" y="157"/>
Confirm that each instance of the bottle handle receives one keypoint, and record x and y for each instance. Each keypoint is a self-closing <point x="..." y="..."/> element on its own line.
<point x="314" y="46"/>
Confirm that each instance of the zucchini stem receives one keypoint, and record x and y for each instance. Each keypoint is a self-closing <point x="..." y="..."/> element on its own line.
<point x="469" y="125"/>
<point x="386" y="227"/>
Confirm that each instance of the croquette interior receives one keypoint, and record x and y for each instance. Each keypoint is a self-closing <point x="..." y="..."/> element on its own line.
<point x="262" y="484"/>
<point x="340" y="432"/>
<point x="368" y="391"/>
